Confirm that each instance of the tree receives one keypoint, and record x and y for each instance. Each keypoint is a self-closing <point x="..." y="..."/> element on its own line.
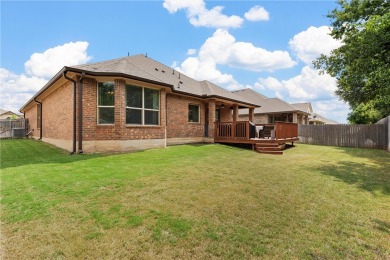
<point x="362" y="64"/>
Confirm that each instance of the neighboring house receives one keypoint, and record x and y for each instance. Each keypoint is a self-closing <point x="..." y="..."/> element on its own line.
<point x="305" y="107"/>
<point x="274" y="109"/>
<point x="129" y="103"/>
<point x="316" y="119"/>
<point x="9" y="115"/>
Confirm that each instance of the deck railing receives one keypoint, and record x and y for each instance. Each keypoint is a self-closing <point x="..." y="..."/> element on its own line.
<point x="240" y="130"/>
<point x="286" y="130"/>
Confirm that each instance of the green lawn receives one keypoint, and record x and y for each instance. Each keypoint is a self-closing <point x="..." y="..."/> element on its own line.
<point x="194" y="201"/>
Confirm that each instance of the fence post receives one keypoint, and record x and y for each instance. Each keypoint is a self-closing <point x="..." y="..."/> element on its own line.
<point x="388" y="133"/>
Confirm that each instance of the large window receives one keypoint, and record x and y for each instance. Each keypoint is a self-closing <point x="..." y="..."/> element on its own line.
<point x="142" y="106"/>
<point x="193" y="113"/>
<point x="106" y="102"/>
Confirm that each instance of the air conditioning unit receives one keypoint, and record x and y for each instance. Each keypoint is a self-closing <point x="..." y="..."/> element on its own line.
<point x="18" y="132"/>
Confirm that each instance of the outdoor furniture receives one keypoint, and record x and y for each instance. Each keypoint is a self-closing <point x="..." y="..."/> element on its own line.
<point x="267" y="132"/>
<point x="258" y="129"/>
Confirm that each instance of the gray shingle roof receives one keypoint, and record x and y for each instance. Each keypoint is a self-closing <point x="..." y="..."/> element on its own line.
<point x="306" y="107"/>
<point x="268" y="105"/>
<point x="318" y="118"/>
<point x="149" y="69"/>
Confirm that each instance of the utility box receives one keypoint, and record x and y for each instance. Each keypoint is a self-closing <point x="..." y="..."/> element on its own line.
<point x="18" y="132"/>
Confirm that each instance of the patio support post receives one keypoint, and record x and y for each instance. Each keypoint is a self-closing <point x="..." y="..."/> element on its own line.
<point x="163" y="112"/>
<point x="251" y="114"/>
<point x="211" y="118"/>
<point x="295" y="118"/>
<point x="235" y="113"/>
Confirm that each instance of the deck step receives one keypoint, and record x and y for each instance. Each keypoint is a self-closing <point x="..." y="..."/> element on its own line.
<point x="275" y="148"/>
<point x="270" y="152"/>
<point x="267" y="145"/>
<point x="270" y="148"/>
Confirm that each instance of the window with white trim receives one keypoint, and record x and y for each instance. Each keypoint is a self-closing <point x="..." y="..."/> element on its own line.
<point x="142" y="106"/>
<point x="193" y="113"/>
<point x="106" y="103"/>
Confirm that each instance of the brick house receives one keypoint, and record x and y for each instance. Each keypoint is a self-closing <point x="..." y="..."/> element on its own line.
<point x="129" y="103"/>
<point x="274" y="109"/>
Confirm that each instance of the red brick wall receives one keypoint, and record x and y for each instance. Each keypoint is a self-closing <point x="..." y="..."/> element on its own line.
<point x="177" y="117"/>
<point x="119" y="130"/>
<point x="31" y="114"/>
<point x="225" y="114"/>
<point x="57" y="113"/>
<point x="58" y="116"/>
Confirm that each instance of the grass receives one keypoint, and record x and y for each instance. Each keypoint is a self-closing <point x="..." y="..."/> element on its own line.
<point x="194" y="201"/>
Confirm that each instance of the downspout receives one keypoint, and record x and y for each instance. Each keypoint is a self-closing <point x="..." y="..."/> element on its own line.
<point x="40" y="119"/>
<point x="74" y="110"/>
<point x="166" y="120"/>
<point x="80" y="89"/>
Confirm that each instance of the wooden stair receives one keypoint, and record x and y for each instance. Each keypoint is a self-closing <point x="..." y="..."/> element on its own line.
<point x="270" y="148"/>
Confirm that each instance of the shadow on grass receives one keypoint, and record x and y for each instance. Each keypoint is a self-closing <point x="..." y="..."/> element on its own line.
<point x="382" y="226"/>
<point x="20" y="152"/>
<point x="371" y="173"/>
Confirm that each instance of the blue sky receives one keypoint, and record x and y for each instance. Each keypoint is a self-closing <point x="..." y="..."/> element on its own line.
<point x="268" y="49"/>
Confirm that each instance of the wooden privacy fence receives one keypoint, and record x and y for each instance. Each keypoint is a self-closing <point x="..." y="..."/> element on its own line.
<point x="362" y="136"/>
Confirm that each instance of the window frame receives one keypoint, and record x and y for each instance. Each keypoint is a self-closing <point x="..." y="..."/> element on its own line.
<point x="142" y="108"/>
<point x="188" y="117"/>
<point x="99" y="106"/>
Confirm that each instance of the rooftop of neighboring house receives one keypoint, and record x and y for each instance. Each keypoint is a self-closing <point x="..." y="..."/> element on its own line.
<point x="306" y="106"/>
<point x="5" y="112"/>
<point x="314" y="117"/>
<point x="144" y="68"/>
<point x="268" y="105"/>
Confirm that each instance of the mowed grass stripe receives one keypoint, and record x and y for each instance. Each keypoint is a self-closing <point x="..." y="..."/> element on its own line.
<point x="194" y="201"/>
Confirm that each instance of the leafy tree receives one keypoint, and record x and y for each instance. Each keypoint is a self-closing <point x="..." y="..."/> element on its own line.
<point x="361" y="65"/>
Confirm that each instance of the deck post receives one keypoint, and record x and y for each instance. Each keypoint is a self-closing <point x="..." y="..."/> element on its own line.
<point x="233" y="130"/>
<point x="251" y="114"/>
<point x="211" y="118"/>
<point x="295" y="118"/>
<point x="247" y="134"/>
<point x="235" y="113"/>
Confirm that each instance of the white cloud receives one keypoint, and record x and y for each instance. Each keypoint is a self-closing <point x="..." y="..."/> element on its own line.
<point x="309" y="86"/>
<point x="310" y="44"/>
<point x="207" y="70"/>
<point x="49" y="62"/>
<point x="332" y="109"/>
<point x="191" y="51"/>
<point x="223" y="49"/>
<point x="257" y="13"/>
<point x="199" y="15"/>
<point x="18" y="89"/>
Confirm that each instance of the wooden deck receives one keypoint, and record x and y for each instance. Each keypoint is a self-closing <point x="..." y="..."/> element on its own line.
<point x="264" y="138"/>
